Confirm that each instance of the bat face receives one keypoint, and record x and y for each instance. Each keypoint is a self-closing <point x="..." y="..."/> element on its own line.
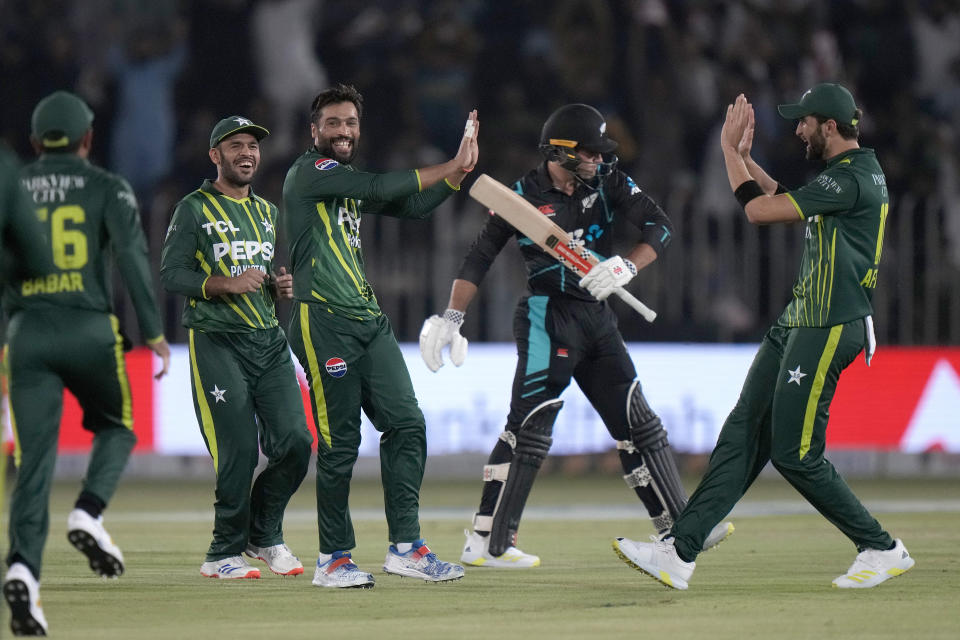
<point x="528" y="220"/>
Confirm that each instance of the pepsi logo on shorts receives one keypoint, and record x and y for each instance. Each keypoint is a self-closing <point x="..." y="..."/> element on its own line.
<point x="336" y="367"/>
<point x="325" y="163"/>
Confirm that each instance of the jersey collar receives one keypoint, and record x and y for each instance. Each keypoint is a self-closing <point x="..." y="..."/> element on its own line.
<point x="209" y="188"/>
<point x="846" y="154"/>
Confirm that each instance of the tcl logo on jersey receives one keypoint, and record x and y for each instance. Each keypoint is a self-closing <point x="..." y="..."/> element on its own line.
<point x="243" y="250"/>
<point x="220" y="226"/>
<point x="547" y="210"/>
<point x="325" y="163"/>
<point x="336" y="367"/>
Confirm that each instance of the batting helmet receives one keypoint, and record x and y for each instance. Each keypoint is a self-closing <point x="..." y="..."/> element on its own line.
<point x="571" y="127"/>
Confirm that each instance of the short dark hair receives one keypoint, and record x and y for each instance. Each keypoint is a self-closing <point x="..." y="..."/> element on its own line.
<point x="337" y="93"/>
<point x="847" y="131"/>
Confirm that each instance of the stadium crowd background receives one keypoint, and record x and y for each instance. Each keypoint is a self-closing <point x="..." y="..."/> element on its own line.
<point x="160" y="73"/>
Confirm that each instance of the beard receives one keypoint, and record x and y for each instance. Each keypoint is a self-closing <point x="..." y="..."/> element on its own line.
<point x="816" y="145"/>
<point x="326" y="148"/>
<point x="234" y="177"/>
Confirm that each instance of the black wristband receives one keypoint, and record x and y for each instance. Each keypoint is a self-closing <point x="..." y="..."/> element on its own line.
<point x="747" y="191"/>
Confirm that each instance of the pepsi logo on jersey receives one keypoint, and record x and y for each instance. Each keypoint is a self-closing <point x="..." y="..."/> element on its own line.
<point x="336" y="367"/>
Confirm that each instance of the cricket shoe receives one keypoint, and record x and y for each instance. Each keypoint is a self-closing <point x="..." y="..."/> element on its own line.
<point x="232" y="568"/>
<point x="657" y="559"/>
<point x="340" y="572"/>
<point x="717" y="535"/>
<point x="22" y="593"/>
<point x="278" y="557"/>
<point x="87" y="534"/>
<point x="476" y="553"/>
<point x="873" y="566"/>
<point x="421" y="563"/>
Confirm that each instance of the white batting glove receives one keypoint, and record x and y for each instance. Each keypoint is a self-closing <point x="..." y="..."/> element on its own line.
<point x="608" y="276"/>
<point x="437" y="333"/>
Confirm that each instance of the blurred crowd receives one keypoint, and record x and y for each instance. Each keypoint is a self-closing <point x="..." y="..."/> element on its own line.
<point x="160" y="73"/>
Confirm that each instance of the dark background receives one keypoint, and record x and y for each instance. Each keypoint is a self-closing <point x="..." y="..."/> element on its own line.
<point x="160" y="73"/>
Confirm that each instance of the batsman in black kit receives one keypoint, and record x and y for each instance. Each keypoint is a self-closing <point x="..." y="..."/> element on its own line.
<point x="564" y="328"/>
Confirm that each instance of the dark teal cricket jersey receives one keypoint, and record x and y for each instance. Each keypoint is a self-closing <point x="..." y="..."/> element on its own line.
<point x="323" y="202"/>
<point x="84" y="210"/>
<point x="212" y="234"/>
<point x="845" y="208"/>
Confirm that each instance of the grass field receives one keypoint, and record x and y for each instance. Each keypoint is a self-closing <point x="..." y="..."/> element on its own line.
<point x="771" y="579"/>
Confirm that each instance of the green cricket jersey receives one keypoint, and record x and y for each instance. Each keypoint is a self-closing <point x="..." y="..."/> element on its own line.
<point x="323" y="201"/>
<point x="27" y="253"/>
<point x="845" y="208"/>
<point x="212" y="234"/>
<point x="84" y="210"/>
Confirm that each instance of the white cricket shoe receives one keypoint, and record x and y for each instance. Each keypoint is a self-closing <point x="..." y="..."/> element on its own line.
<point x="340" y="572"/>
<point x="278" y="557"/>
<point x="657" y="559"/>
<point x="87" y="534"/>
<point x="232" y="568"/>
<point x="871" y="567"/>
<point x="421" y="563"/>
<point x="22" y="593"/>
<point x="476" y="553"/>
<point x="717" y="535"/>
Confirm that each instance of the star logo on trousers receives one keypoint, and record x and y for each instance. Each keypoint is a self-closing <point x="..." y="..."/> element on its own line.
<point x="217" y="394"/>
<point x="795" y="375"/>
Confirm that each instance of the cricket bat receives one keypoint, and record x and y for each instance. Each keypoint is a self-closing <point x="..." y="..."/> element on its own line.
<point x="527" y="219"/>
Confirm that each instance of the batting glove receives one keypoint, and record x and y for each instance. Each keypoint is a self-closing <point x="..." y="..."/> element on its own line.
<point x="608" y="276"/>
<point x="439" y="332"/>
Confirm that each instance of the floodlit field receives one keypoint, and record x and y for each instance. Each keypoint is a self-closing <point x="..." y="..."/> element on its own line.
<point x="770" y="580"/>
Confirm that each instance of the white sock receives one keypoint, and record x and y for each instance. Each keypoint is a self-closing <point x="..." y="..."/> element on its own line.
<point x="324" y="558"/>
<point x="403" y="547"/>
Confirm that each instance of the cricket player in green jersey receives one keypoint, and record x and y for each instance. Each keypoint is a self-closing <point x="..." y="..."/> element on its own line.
<point x="62" y="333"/>
<point x="782" y="413"/>
<point x="218" y="253"/>
<point x="22" y="254"/>
<point x="345" y="342"/>
<point x="23" y="251"/>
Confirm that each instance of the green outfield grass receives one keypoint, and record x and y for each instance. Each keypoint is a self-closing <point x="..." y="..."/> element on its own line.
<point x="770" y="580"/>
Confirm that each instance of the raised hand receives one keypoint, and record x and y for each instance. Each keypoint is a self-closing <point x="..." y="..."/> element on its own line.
<point x="469" y="152"/>
<point x="746" y="141"/>
<point x="739" y="116"/>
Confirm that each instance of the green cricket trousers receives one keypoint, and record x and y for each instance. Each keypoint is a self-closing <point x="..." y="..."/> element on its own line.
<point x="357" y="365"/>
<point x="781" y="417"/>
<point x="48" y="350"/>
<point x="245" y="393"/>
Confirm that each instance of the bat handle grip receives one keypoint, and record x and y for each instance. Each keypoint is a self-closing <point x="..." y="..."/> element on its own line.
<point x="648" y="314"/>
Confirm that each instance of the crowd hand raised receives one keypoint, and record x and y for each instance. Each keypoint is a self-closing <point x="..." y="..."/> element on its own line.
<point x="439" y="332"/>
<point x="608" y="276"/>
